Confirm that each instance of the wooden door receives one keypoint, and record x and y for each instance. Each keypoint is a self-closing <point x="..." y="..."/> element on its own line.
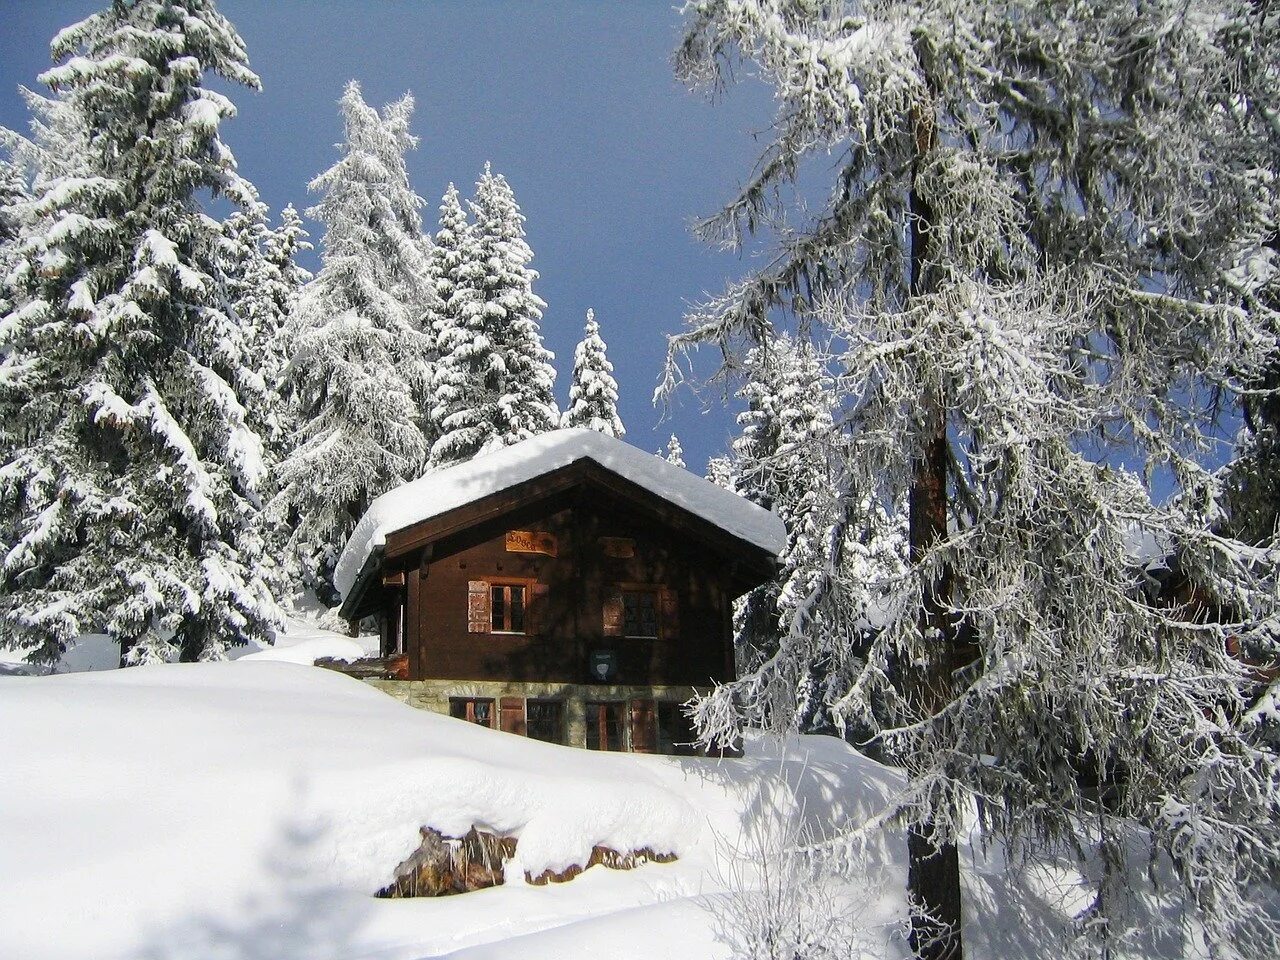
<point x="644" y="727"/>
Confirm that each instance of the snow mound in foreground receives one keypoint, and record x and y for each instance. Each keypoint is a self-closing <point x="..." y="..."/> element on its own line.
<point x="250" y="810"/>
<point x="150" y="796"/>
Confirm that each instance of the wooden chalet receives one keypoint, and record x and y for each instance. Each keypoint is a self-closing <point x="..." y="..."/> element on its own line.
<point x="569" y="588"/>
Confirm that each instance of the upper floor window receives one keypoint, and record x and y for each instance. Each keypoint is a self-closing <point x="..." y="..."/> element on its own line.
<point x="639" y="613"/>
<point x="506" y="607"/>
<point x="641" y="610"/>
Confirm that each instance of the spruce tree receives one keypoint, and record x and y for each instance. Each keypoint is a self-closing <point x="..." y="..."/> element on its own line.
<point x="494" y="383"/>
<point x="361" y="359"/>
<point x="128" y="499"/>
<point x="263" y="285"/>
<point x="245" y="273"/>
<point x="283" y="282"/>
<point x="14" y="195"/>
<point x="1024" y="256"/>
<point x="789" y="459"/>
<point x="450" y="257"/>
<point x="593" y="394"/>
<point x="674" y="453"/>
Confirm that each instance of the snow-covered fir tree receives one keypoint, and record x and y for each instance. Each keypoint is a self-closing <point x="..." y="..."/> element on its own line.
<point x="13" y="196"/>
<point x="833" y="573"/>
<point x="284" y="279"/>
<point x="361" y="356"/>
<point x="1026" y="253"/>
<point x="674" y="452"/>
<point x="244" y="269"/>
<point x="720" y="471"/>
<point x="494" y="383"/>
<point x="128" y="499"/>
<point x="263" y="285"/>
<point x="593" y="394"/>
<point x="451" y="255"/>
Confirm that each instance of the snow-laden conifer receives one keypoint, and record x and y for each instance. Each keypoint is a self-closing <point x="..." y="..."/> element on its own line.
<point x="263" y="282"/>
<point x="128" y="501"/>
<point x="1024" y="261"/>
<point x="494" y="383"/>
<point x="13" y="194"/>
<point x="833" y="573"/>
<point x="283" y="281"/>
<point x="674" y="452"/>
<point x="593" y="394"/>
<point x="361" y="358"/>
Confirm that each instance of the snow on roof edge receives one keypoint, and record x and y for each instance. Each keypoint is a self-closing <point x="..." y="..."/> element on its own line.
<point x="443" y="490"/>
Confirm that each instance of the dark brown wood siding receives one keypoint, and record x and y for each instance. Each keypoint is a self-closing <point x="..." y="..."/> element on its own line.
<point x="567" y="594"/>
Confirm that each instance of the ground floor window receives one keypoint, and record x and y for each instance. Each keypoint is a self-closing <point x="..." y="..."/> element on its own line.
<point x="544" y="720"/>
<point x="472" y="709"/>
<point x="605" y="725"/>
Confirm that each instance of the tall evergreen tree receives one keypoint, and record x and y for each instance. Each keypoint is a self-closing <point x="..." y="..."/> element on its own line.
<point x="283" y="281"/>
<point x="451" y="255"/>
<point x="789" y="458"/>
<point x="1024" y="251"/>
<point x="361" y="358"/>
<point x="14" y="194"/>
<point x="127" y="502"/>
<point x="593" y="394"/>
<point x="494" y="383"/>
<point x="263" y="284"/>
<point x="244" y="269"/>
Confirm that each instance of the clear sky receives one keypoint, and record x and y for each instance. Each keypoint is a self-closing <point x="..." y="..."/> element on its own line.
<point x="573" y="101"/>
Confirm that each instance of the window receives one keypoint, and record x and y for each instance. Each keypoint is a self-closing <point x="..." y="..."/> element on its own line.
<point x="506" y="607"/>
<point x="472" y="709"/>
<point x="604" y="726"/>
<point x="641" y="610"/>
<point x="544" y="720"/>
<point x="639" y="613"/>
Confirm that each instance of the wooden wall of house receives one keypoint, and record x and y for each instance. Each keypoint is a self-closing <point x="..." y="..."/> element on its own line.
<point x="568" y="618"/>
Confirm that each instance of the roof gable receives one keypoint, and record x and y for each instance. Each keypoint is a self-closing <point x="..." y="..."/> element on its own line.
<point x="444" y="491"/>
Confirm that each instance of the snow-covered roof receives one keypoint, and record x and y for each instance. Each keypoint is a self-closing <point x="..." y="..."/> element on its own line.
<point x="444" y="490"/>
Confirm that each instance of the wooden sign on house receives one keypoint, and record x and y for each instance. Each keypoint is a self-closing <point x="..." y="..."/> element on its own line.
<point x="531" y="541"/>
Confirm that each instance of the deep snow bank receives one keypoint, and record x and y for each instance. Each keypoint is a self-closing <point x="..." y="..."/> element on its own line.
<point x="149" y="810"/>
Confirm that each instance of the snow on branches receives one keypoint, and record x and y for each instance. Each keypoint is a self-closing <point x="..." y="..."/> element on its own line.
<point x="361" y="351"/>
<point x="132" y="473"/>
<point x="494" y="383"/>
<point x="593" y="393"/>
<point x="1024" y="270"/>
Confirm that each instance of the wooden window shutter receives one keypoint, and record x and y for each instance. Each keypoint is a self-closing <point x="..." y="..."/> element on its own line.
<point x="669" y="613"/>
<point x="536" y="613"/>
<point x="614" y="612"/>
<point x="478" y="607"/>
<point x="511" y="717"/>
<point x="644" y="727"/>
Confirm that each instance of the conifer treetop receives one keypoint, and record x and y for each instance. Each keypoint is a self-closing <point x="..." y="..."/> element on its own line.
<point x="593" y="392"/>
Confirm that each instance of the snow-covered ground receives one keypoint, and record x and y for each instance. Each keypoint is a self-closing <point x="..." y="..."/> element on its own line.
<point x="303" y="640"/>
<point x="250" y="809"/>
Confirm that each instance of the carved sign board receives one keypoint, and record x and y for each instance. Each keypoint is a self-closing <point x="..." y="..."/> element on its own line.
<point x="531" y="541"/>
<point x="620" y="547"/>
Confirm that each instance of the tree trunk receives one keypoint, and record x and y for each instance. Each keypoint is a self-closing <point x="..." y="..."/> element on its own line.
<point x="933" y="871"/>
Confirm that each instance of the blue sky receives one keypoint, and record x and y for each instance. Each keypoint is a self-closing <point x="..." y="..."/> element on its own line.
<point x="574" y="102"/>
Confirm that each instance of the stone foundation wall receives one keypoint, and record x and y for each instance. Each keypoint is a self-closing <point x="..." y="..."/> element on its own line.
<point x="434" y="695"/>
